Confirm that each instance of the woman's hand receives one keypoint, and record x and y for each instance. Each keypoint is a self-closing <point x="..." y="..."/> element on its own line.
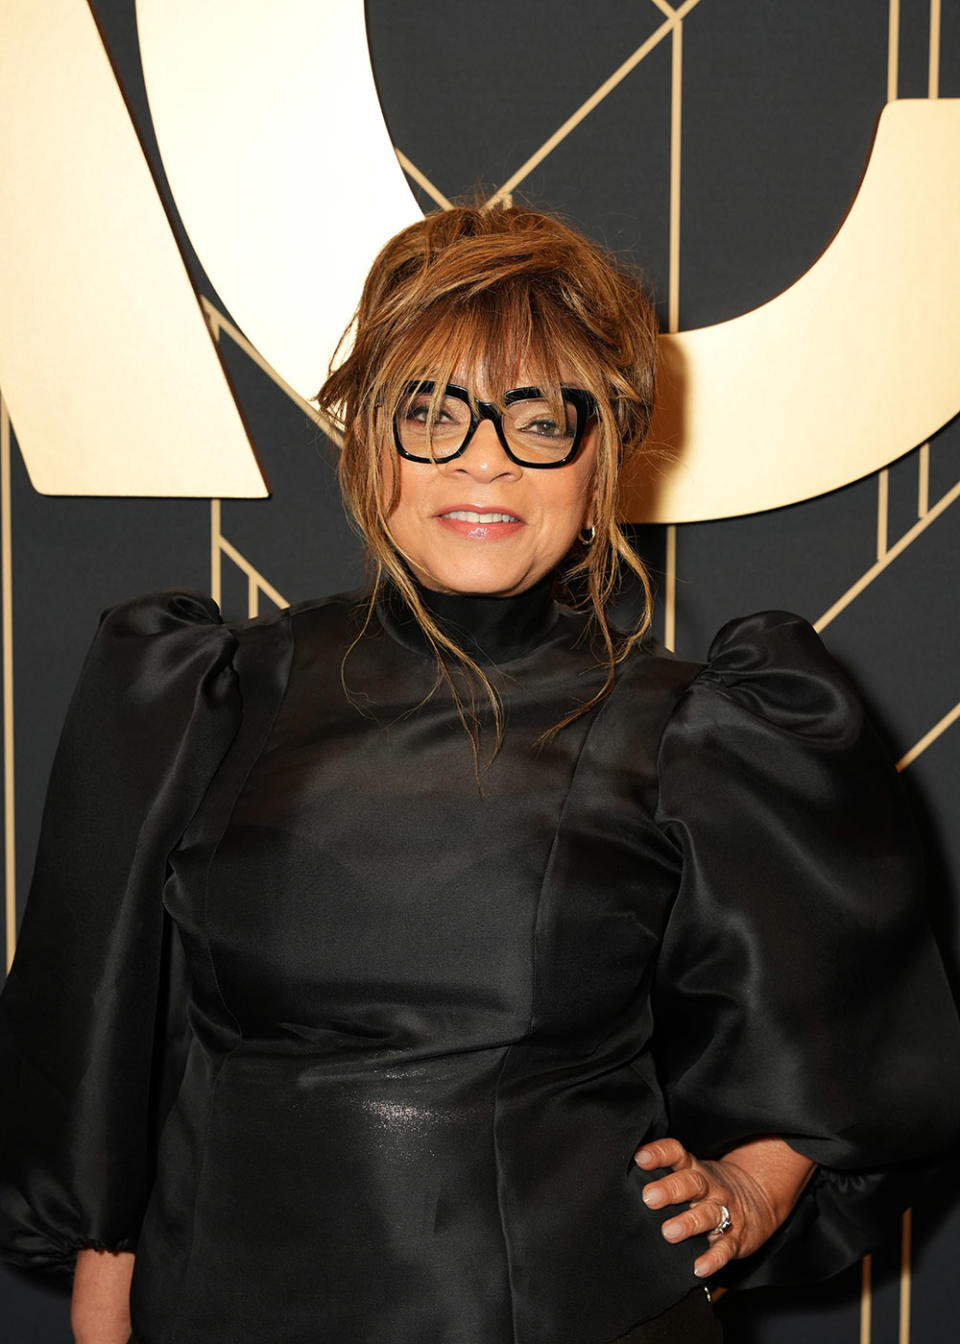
<point x="100" y="1307"/>
<point x="758" y="1183"/>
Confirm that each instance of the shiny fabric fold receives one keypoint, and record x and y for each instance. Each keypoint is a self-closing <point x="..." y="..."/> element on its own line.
<point x="357" y="1043"/>
<point x="155" y="710"/>
<point x="797" y="963"/>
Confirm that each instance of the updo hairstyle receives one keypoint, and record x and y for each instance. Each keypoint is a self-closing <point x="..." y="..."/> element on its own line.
<point x="493" y="290"/>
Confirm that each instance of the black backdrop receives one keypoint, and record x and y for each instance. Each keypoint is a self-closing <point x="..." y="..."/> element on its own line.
<point x="777" y="102"/>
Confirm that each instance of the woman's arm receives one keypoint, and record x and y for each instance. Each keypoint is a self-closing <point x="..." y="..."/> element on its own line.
<point x="91" y="1049"/>
<point x="759" y="1183"/>
<point x="100" y="1307"/>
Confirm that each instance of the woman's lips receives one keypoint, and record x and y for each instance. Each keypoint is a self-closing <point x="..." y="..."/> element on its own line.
<point x="485" y="524"/>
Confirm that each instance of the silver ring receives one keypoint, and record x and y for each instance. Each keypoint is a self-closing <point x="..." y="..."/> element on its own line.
<point x="724" y="1224"/>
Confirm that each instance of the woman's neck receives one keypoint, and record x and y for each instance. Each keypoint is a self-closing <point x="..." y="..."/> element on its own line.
<point x="489" y="629"/>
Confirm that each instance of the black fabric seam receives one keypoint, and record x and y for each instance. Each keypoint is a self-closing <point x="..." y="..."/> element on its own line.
<point x="215" y="848"/>
<point x="534" y="941"/>
<point x="658" y="754"/>
<point x="228" y="1054"/>
<point x="204" y="1150"/>
<point x="504" y="1233"/>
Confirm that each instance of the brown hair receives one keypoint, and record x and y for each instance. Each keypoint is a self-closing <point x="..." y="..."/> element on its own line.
<point x="495" y="289"/>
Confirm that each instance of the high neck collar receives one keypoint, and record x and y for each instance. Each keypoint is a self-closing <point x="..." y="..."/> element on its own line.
<point x="489" y="629"/>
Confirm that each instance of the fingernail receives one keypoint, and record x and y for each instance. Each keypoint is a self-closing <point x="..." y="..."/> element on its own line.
<point x="700" y="1271"/>
<point x="672" y="1231"/>
<point x="644" y="1155"/>
<point x="652" y="1198"/>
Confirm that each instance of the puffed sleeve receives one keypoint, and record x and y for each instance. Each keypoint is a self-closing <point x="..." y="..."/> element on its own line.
<point x="799" y="991"/>
<point x="85" y="1009"/>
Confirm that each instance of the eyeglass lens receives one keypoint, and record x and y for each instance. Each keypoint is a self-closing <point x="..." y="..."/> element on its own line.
<point x="538" y="429"/>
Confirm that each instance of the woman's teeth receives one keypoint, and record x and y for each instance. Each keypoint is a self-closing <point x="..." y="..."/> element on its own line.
<point x="468" y="516"/>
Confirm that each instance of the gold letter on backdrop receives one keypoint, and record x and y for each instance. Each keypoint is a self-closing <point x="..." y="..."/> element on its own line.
<point x="852" y="366"/>
<point x="113" y="383"/>
<point x="280" y="162"/>
<point x="275" y="147"/>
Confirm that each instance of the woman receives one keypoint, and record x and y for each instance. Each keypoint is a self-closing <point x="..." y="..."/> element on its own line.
<point x="389" y="959"/>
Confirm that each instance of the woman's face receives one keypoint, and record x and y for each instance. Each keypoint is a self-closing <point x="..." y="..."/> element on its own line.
<point x="529" y="517"/>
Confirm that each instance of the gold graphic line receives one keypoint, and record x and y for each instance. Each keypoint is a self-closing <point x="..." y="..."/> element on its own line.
<point x="664" y="8"/>
<point x="905" y="1240"/>
<point x="923" y="480"/>
<point x="866" y="1303"/>
<point x="908" y="538"/>
<point x="6" y="550"/>
<point x="216" y="569"/>
<point x="676" y="105"/>
<point x="422" y="180"/>
<point x="883" y="502"/>
<point x="893" y="49"/>
<point x="597" y="97"/>
<point x="930" y="737"/>
<point x="217" y="322"/>
<point x="253" y="597"/>
<point x="670" y="596"/>
<point x="933" y="83"/>
<point x="253" y="573"/>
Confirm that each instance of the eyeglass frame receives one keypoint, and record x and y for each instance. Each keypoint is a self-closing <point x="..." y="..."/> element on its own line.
<point x="584" y="402"/>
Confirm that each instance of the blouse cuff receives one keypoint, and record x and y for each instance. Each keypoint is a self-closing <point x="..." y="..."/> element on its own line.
<point x="838" y="1219"/>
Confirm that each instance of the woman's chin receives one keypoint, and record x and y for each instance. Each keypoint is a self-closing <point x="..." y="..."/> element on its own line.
<point x="492" y="581"/>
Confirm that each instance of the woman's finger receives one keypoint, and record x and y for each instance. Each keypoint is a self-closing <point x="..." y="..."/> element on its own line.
<point x="662" y="1153"/>
<point x="712" y="1261"/>
<point x="682" y="1187"/>
<point x="700" y="1220"/>
<point x="707" y="1189"/>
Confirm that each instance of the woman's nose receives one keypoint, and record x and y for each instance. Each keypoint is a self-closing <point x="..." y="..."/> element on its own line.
<point x="484" y="457"/>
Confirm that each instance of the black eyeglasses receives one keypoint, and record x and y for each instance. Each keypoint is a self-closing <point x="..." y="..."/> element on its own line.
<point x="534" y="429"/>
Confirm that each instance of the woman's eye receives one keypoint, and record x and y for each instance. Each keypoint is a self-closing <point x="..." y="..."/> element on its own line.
<point x="419" y="413"/>
<point x="539" y="419"/>
<point x="546" y="427"/>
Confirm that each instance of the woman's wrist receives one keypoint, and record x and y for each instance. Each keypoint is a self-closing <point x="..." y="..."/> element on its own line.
<point x="100" y="1306"/>
<point x="779" y="1170"/>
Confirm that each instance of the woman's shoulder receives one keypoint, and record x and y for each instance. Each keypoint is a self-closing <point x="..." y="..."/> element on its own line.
<point x="765" y="671"/>
<point x="330" y="609"/>
<point x="773" y="666"/>
<point x="175" y="646"/>
<point x="153" y="660"/>
<point x="746" y="651"/>
<point x="192" y="612"/>
<point x="759" y="637"/>
<point x="159" y="637"/>
<point x="765" y="639"/>
<point x="161" y="611"/>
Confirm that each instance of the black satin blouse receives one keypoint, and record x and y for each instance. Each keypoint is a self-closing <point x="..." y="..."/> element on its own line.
<point x="347" y="1046"/>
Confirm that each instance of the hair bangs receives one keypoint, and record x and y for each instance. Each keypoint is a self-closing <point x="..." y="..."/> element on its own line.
<point x="489" y="342"/>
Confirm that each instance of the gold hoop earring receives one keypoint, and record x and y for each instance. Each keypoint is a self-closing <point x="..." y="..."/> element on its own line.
<point x="586" y="535"/>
